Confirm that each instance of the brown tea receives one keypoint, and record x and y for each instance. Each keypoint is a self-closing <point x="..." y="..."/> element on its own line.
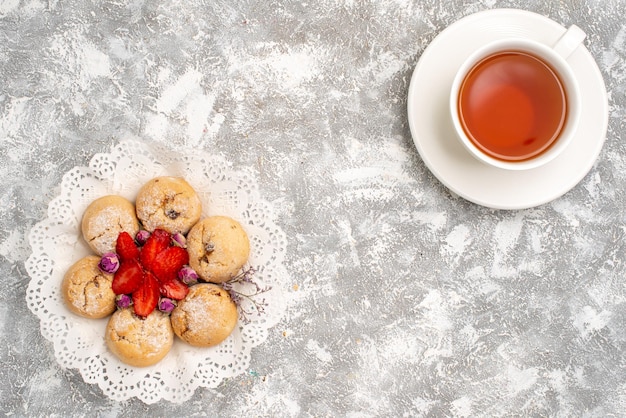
<point x="512" y="106"/>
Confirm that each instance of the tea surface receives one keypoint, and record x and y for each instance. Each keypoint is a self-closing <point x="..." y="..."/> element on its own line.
<point x="512" y="106"/>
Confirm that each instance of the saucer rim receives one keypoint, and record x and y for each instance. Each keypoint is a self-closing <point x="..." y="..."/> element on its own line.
<point x="593" y="75"/>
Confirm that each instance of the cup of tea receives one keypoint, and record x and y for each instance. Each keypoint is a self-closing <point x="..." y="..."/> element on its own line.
<point x="515" y="103"/>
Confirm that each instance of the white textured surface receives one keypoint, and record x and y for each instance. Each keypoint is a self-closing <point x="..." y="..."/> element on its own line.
<point x="405" y="300"/>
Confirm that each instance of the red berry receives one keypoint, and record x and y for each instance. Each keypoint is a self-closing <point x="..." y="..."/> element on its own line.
<point x="127" y="278"/>
<point x="159" y="240"/>
<point x="174" y="289"/>
<point x="150" y="272"/>
<point x="125" y="246"/>
<point x="167" y="263"/>
<point x="146" y="298"/>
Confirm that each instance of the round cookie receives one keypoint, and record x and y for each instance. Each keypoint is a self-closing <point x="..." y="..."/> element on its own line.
<point x="87" y="290"/>
<point x="139" y="342"/>
<point x="169" y="203"/>
<point x="218" y="248"/>
<point x="104" y="219"/>
<point x="206" y="317"/>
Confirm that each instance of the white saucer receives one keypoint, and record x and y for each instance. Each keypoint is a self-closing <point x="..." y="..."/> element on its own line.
<point x="435" y="139"/>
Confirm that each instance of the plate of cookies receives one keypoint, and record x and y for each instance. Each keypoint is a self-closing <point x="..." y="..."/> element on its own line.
<point x="157" y="271"/>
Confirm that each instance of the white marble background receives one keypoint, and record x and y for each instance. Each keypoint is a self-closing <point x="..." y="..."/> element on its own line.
<point x="405" y="300"/>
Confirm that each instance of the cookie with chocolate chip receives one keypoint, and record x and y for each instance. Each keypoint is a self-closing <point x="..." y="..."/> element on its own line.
<point x="87" y="290"/>
<point x="169" y="203"/>
<point x="218" y="248"/>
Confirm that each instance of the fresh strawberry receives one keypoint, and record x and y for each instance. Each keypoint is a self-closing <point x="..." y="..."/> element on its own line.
<point x="174" y="289"/>
<point x="145" y="298"/>
<point x="128" y="277"/>
<point x="159" y="262"/>
<point x="159" y="240"/>
<point x="168" y="262"/>
<point x="125" y="246"/>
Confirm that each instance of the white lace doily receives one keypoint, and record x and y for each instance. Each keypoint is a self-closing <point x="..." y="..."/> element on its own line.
<point x="57" y="243"/>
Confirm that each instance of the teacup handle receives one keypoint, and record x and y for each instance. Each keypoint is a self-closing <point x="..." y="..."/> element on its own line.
<point x="570" y="40"/>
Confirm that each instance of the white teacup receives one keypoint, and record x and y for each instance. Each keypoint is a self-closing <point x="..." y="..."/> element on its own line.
<point x="515" y="103"/>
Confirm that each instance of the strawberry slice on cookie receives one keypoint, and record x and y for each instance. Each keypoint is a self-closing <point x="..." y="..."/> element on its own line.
<point x="146" y="298"/>
<point x="151" y="271"/>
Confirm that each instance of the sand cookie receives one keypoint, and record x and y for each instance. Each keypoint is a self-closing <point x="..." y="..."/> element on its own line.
<point x="206" y="317"/>
<point x="169" y="203"/>
<point x="104" y="219"/>
<point x="87" y="290"/>
<point x="139" y="342"/>
<point x="218" y="248"/>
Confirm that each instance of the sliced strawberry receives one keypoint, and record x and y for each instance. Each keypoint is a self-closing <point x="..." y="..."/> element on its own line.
<point x="159" y="240"/>
<point x="127" y="278"/>
<point x="168" y="262"/>
<point x="145" y="298"/>
<point x="174" y="289"/>
<point x="125" y="246"/>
